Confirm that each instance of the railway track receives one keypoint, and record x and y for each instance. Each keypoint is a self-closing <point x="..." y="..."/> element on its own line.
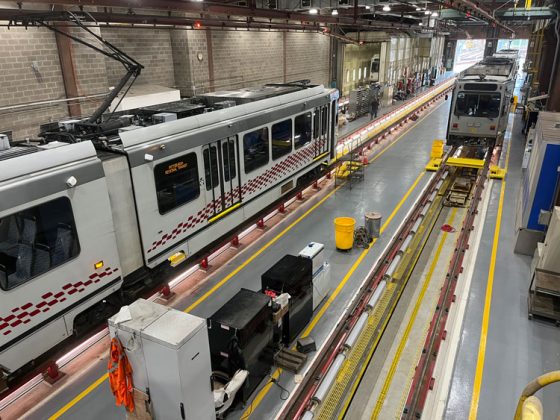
<point x="370" y="135"/>
<point x="333" y="378"/>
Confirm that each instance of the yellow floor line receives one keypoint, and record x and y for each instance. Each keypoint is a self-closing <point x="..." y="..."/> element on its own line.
<point x="227" y="278"/>
<point x="411" y="321"/>
<point x="78" y="397"/>
<point x="487" y="303"/>
<point x="262" y="393"/>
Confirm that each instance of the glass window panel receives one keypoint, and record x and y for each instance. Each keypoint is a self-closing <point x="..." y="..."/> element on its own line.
<point x="211" y="175"/>
<point x="176" y="182"/>
<point x="302" y="130"/>
<point x="255" y="149"/>
<point x="281" y="138"/>
<point x="36" y="240"/>
<point x="228" y="152"/>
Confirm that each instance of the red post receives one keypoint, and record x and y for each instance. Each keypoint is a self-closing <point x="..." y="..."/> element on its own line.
<point x="52" y="373"/>
<point x="166" y="293"/>
<point x="300" y="196"/>
<point x="329" y="175"/>
<point x="235" y="241"/>
<point x="260" y="223"/>
<point x="204" y="263"/>
<point x="282" y="208"/>
<point x="316" y="185"/>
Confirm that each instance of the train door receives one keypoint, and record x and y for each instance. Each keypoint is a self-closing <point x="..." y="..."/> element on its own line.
<point x="320" y="125"/>
<point x="221" y="178"/>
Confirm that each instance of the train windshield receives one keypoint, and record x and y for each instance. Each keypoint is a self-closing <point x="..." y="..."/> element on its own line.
<point x="478" y="104"/>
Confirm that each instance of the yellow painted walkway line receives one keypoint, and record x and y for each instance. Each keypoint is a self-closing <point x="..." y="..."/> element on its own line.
<point x="411" y="321"/>
<point x="488" y="303"/>
<point x="276" y="374"/>
<point x="262" y="393"/>
<point x="78" y="397"/>
<point x="257" y="400"/>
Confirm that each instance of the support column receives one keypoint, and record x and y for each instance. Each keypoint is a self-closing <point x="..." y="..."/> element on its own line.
<point x="285" y="55"/>
<point x="210" y="59"/>
<point x="65" y="55"/>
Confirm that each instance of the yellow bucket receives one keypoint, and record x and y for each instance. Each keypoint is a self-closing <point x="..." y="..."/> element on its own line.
<point x="344" y="233"/>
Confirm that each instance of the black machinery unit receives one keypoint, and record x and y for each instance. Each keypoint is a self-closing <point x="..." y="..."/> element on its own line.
<point x="240" y="335"/>
<point x="292" y="275"/>
<point x="182" y="108"/>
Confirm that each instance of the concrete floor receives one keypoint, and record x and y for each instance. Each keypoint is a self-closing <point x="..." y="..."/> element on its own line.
<point x="518" y="350"/>
<point x="387" y="181"/>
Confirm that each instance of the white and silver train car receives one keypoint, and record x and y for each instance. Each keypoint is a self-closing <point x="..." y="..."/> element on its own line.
<point x="482" y="99"/>
<point x="81" y="224"/>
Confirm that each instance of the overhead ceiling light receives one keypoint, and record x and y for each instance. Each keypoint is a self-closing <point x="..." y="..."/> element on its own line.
<point x="386" y="8"/>
<point x="434" y="14"/>
<point x="420" y="24"/>
<point x="313" y="11"/>
<point x="334" y="12"/>
<point x="427" y="12"/>
<point x="418" y="9"/>
<point x="368" y="7"/>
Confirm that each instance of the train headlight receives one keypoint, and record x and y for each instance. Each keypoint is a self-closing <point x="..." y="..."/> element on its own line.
<point x="98" y="265"/>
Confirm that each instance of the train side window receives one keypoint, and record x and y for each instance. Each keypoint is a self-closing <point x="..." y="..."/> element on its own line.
<point x="176" y="182"/>
<point x="255" y="149"/>
<point x="302" y="130"/>
<point x="211" y="175"/>
<point x="36" y="240"/>
<point x="316" y="123"/>
<point x="281" y="138"/>
<point x="324" y="117"/>
<point x="228" y="152"/>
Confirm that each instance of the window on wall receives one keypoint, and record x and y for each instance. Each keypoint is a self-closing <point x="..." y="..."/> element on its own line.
<point x="281" y="138"/>
<point x="316" y="123"/>
<point x="302" y="130"/>
<point x="360" y="73"/>
<point x="36" y="240"/>
<point x="176" y="182"/>
<point x="365" y="72"/>
<point x="347" y="76"/>
<point x="354" y="75"/>
<point x="255" y="149"/>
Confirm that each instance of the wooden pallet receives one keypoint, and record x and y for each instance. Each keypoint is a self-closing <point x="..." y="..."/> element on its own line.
<point x="291" y="360"/>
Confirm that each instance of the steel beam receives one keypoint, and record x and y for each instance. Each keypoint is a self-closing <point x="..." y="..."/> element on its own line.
<point x="202" y="9"/>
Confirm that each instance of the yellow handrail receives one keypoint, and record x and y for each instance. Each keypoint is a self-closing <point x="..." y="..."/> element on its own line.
<point x="530" y="389"/>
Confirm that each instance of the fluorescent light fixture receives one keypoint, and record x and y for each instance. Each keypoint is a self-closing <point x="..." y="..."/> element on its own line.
<point x="334" y="12"/>
<point x="434" y="14"/>
<point x="386" y="8"/>
<point x="427" y="12"/>
<point x="368" y="7"/>
<point x="420" y="24"/>
<point x="418" y="9"/>
<point x="313" y="11"/>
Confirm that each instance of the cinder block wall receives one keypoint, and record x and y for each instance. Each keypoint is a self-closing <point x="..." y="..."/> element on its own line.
<point x="23" y="82"/>
<point x="176" y="58"/>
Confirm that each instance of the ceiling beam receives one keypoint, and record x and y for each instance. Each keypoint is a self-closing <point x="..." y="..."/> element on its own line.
<point x="214" y="9"/>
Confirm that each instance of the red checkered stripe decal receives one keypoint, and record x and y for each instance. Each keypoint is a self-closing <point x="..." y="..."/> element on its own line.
<point x="278" y="171"/>
<point x="24" y="314"/>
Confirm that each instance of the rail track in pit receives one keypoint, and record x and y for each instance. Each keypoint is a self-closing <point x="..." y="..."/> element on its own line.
<point x="332" y="379"/>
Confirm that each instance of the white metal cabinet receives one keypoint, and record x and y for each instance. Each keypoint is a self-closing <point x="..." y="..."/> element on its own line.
<point x="178" y="366"/>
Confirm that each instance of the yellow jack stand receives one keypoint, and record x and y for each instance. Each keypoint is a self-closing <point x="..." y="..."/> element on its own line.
<point x="496" y="172"/>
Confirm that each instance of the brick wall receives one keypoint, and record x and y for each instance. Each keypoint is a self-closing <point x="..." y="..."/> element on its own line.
<point x="243" y="58"/>
<point x="308" y="57"/>
<point x="240" y="59"/>
<point x="150" y="47"/>
<point x="21" y="83"/>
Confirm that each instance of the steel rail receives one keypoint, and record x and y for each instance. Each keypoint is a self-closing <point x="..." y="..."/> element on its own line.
<point x="423" y="381"/>
<point x="320" y="366"/>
